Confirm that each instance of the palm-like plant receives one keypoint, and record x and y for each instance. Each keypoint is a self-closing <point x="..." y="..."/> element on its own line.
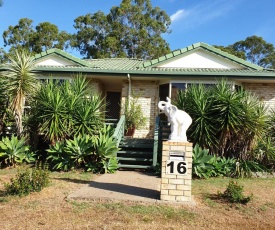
<point x="226" y="121"/>
<point x="198" y="103"/>
<point x="21" y="83"/>
<point x="64" y="110"/>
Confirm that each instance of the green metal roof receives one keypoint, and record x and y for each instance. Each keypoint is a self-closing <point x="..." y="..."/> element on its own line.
<point x="179" y="53"/>
<point x="145" y="68"/>
<point x="116" y="63"/>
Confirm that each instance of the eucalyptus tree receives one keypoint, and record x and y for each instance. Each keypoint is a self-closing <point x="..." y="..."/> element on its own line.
<point x="253" y="49"/>
<point x="20" y="83"/>
<point x="132" y="29"/>
<point x="35" y="39"/>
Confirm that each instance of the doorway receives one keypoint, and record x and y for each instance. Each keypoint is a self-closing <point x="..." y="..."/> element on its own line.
<point x="113" y="105"/>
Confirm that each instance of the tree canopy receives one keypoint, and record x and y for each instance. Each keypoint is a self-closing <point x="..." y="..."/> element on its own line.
<point x="254" y="49"/>
<point x="132" y="29"/>
<point x="35" y="40"/>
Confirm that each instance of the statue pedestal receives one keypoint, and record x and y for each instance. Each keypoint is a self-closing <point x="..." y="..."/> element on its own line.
<point x="176" y="173"/>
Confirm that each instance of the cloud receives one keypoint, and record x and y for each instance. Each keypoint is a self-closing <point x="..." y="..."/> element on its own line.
<point x="203" y="13"/>
<point x="177" y="16"/>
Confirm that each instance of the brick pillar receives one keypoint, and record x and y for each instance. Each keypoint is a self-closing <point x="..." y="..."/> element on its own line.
<point x="176" y="173"/>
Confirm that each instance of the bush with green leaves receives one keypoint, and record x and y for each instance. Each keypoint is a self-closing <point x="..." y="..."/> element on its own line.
<point x="246" y="168"/>
<point x="205" y="165"/>
<point x="234" y="193"/>
<point x="27" y="181"/>
<point x="14" y="150"/>
<point x="227" y="122"/>
<point x="93" y="153"/>
<point x="64" y="110"/>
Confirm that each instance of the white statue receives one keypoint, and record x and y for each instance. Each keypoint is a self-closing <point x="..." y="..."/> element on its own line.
<point x="178" y="119"/>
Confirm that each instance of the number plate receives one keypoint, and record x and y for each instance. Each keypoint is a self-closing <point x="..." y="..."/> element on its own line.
<point x="176" y="167"/>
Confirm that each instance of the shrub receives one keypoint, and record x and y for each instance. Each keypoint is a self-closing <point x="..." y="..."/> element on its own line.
<point x="234" y="193"/>
<point x="27" y="181"/>
<point x="14" y="150"/>
<point x="201" y="167"/>
<point x="246" y="168"/>
<point x="228" y="122"/>
<point x="96" y="153"/>
<point x="205" y="165"/>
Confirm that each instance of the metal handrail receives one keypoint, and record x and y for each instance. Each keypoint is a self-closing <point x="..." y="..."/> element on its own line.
<point x="156" y="141"/>
<point x="119" y="131"/>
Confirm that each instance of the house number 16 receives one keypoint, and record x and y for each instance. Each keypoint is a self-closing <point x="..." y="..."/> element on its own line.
<point x="176" y="167"/>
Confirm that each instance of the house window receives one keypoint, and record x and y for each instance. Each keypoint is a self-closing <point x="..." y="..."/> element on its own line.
<point x="56" y="79"/>
<point x="172" y="88"/>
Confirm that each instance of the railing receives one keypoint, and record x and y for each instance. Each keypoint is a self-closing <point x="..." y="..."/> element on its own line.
<point x="161" y="133"/>
<point x="156" y="142"/>
<point x="119" y="131"/>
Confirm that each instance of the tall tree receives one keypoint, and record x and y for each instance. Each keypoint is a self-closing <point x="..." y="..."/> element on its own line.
<point x="19" y="36"/>
<point x="256" y="49"/>
<point x="229" y="49"/>
<point x="44" y="36"/>
<point x="253" y="49"/>
<point x="132" y="29"/>
<point x="20" y="84"/>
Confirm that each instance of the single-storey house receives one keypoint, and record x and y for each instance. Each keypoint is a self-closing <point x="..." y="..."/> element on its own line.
<point x="153" y="80"/>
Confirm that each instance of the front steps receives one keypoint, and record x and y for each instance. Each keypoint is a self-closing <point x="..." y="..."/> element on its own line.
<point x="136" y="153"/>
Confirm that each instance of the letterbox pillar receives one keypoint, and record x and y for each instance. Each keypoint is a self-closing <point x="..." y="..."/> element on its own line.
<point x="176" y="173"/>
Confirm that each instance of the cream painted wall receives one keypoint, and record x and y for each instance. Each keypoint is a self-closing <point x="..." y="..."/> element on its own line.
<point x="201" y="59"/>
<point x="54" y="61"/>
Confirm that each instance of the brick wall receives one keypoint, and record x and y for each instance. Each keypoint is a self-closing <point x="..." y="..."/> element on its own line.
<point x="264" y="91"/>
<point x="97" y="87"/>
<point x="147" y="93"/>
<point x="176" y="187"/>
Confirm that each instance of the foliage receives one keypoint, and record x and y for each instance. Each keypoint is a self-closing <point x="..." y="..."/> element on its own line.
<point x="134" y="117"/>
<point x="201" y="166"/>
<point x="254" y="49"/>
<point x="14" y="150"/>
<point x="132" y="29"/>
<point x="230" y="50"/>
<point x="21" y="84"/>
<point x="106" y="149"/>
<point x="27" y="181"/>
<point x="58" y="158"/>
<point x="66" y="110"/>
<point x="44" y="36"/>
<point x="245" y="168"/>
<point x="227" y="122"/>
<point x="205" y="165"/>
<point x="96" y="153"/>
<point x="234" y="193"/>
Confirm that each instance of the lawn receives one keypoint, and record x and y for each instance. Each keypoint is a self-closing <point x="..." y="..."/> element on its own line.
<point x="49" y="209"/>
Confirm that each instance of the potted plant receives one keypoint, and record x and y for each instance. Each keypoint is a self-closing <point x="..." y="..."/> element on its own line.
<point x="134" y="118"/>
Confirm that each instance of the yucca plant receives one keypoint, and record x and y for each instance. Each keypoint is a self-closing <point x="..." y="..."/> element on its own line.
<point x="65" y="110"/>
<point x="228" y="122"/>
<point x="21" y="83"/>
<point x="197" y="102"/>
<point x="50" y="112"/>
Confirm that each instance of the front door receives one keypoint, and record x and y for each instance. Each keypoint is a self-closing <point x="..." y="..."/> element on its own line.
<point x="113" y="105"/>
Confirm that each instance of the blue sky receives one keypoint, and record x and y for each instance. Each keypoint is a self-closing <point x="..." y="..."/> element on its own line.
<point x="216" y="22"/>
